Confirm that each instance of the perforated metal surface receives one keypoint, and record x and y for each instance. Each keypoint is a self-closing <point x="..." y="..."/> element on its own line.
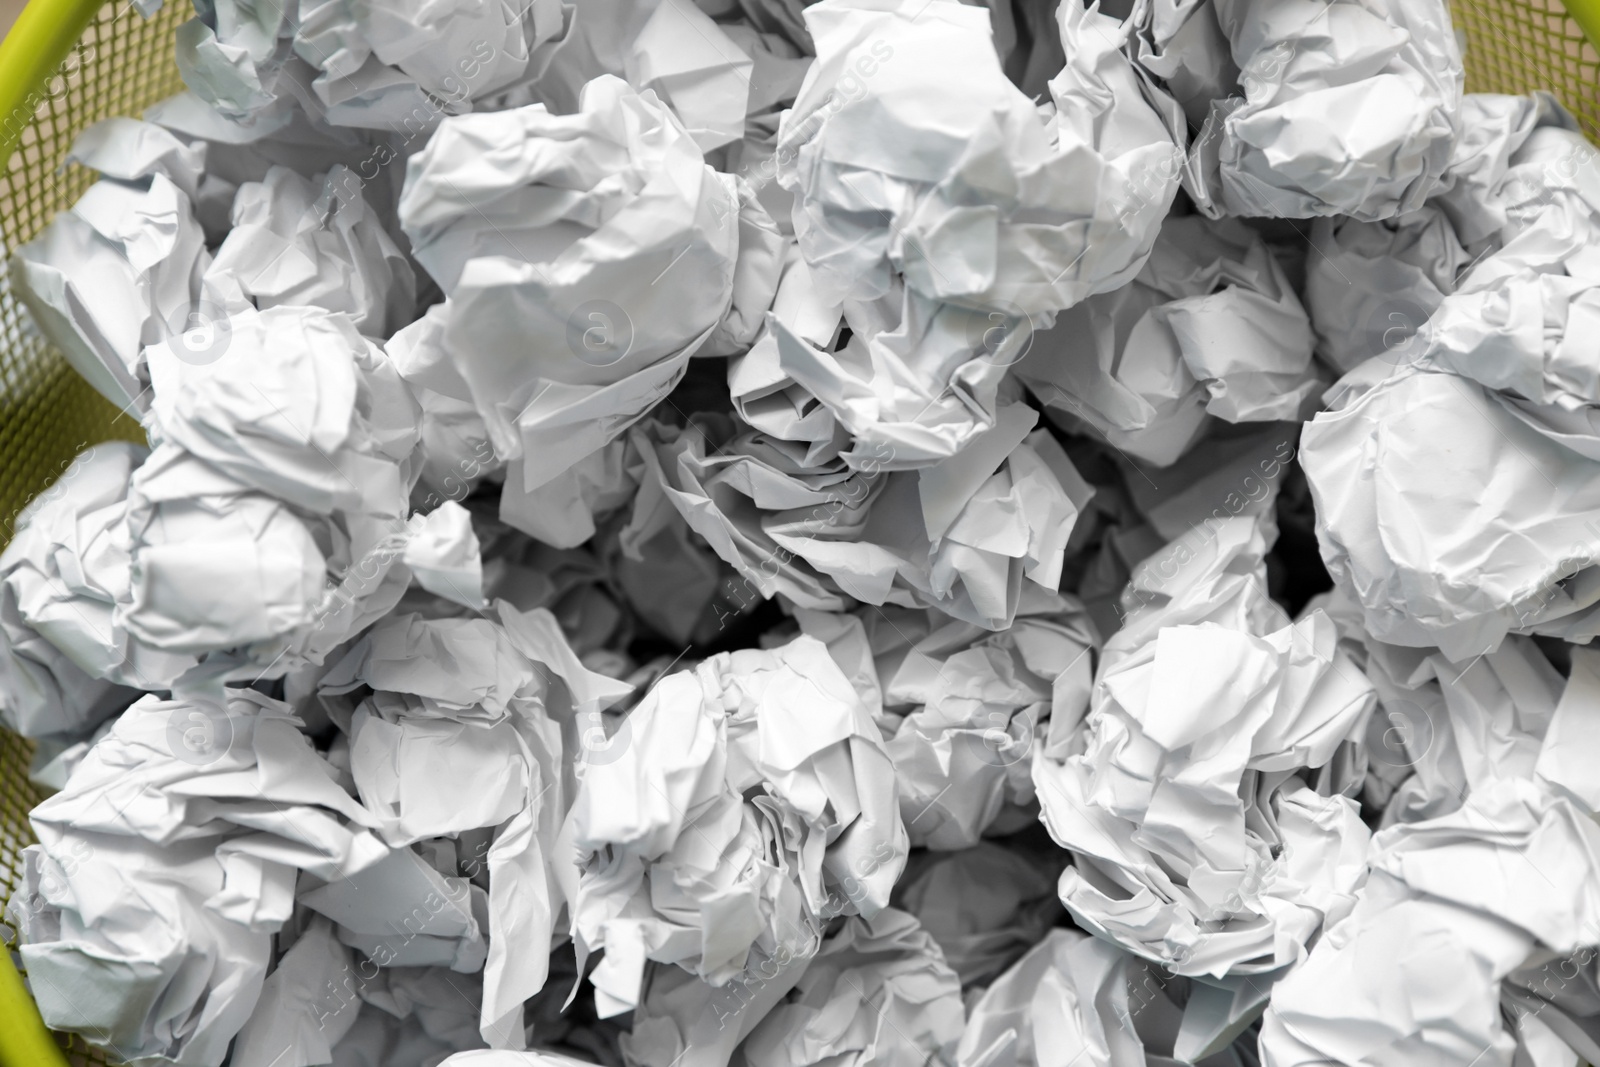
<point x="1515" y="46"/>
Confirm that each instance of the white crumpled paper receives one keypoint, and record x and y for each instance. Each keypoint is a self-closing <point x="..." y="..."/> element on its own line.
<point x="974" y="536"/>
<point x="400" y="66"/>
<point x="316" y="245"/>
<point x="122" y="269"/>
<point x="916" y="383"/>
<point x="1458" y="899"/>
<point x="1444" y="728"/>
<point x="697" y="70"/>
<point x="301" y="459"/>
<point x="324" y="423"/>
<point x="234" y="57"/>
<point x="972" y="705"/>
<point x="65" y="664"/>
<point x="1209" y="327"/>
<point x="565" y="511"/>
<point x="1344" y="108"/>
<point x="1194" y="842"/>
<point x="763" y="393"/>
<point x="445" y="558"/>
<point x="992" y="210"/>
<point x="946" y="260"/>
<point x="473" y="669"/>
<point x="585" y="266"/>
<point x="193" y="533"/>
<point x="1517" y="322"/>
<point x="1076" y="992"/>
<point x="1513" y="153"/>
<point x="164" y="867"/>
<point x="877" y="991"/>
<point x="1371" y="285"/>
<point x="453" y="453"/>
<point x="242" y="149"/>
<point x="1453" y="906"/>
<point x="737" y="807"/>
<point x="1464" y="537"/>
<point x="514" y="705"/>
<point x="1425" y="548"/>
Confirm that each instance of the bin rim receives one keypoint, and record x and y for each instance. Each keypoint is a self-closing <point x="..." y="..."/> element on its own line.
<point x="32" y="53"/>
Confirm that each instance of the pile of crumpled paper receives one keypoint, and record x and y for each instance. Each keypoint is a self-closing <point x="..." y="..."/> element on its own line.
<point x="746" y="533"/>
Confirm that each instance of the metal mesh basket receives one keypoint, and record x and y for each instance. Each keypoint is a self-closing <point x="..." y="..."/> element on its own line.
<point x="68" y="64"/>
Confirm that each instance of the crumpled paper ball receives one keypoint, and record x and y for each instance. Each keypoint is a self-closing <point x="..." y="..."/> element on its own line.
<point x="762" y="392"/>
<point x="1444" y="728"/>
<point x="990" y="212"/>
<point x="972" y="705"/>
<point x="908" y="382"/>
<point x="315" y="244"/>
<point x="1372" y="285"/>
<point x="697" y="68"/>
<point x="974" y="537"/>
<point x="1346" y="108"/>
<point x="65" y="665"/>
<point x="181" y="824"/>
<point x="943" y="269"/>
<point x="1514" y="155"/>
<point x="399" y="67"/>
<point x="1448" y="539"/>
<point x="877" y="991"/>
<point x="307" y="471"/>
<point x="1518" y="321"/>
<point x="234" y="57"/>
<point x="1428" y="918"/>
<point x="1209" y="327"/>
<point x="508" y="716"/>
<point x="1181" y="42"/>
<point x="123" y="268"/>
<point x="1195" y="844"/>
<point x="554" y="245"/>
<point x="748" y="797"/>
<point x="1500" y="352"/>
<point x="326" y="422"/>
<point x="1076" y="992"/>
<point x="243" y="149"/>
<point x="394" y="69"/>
<point x="186" y="598"/>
